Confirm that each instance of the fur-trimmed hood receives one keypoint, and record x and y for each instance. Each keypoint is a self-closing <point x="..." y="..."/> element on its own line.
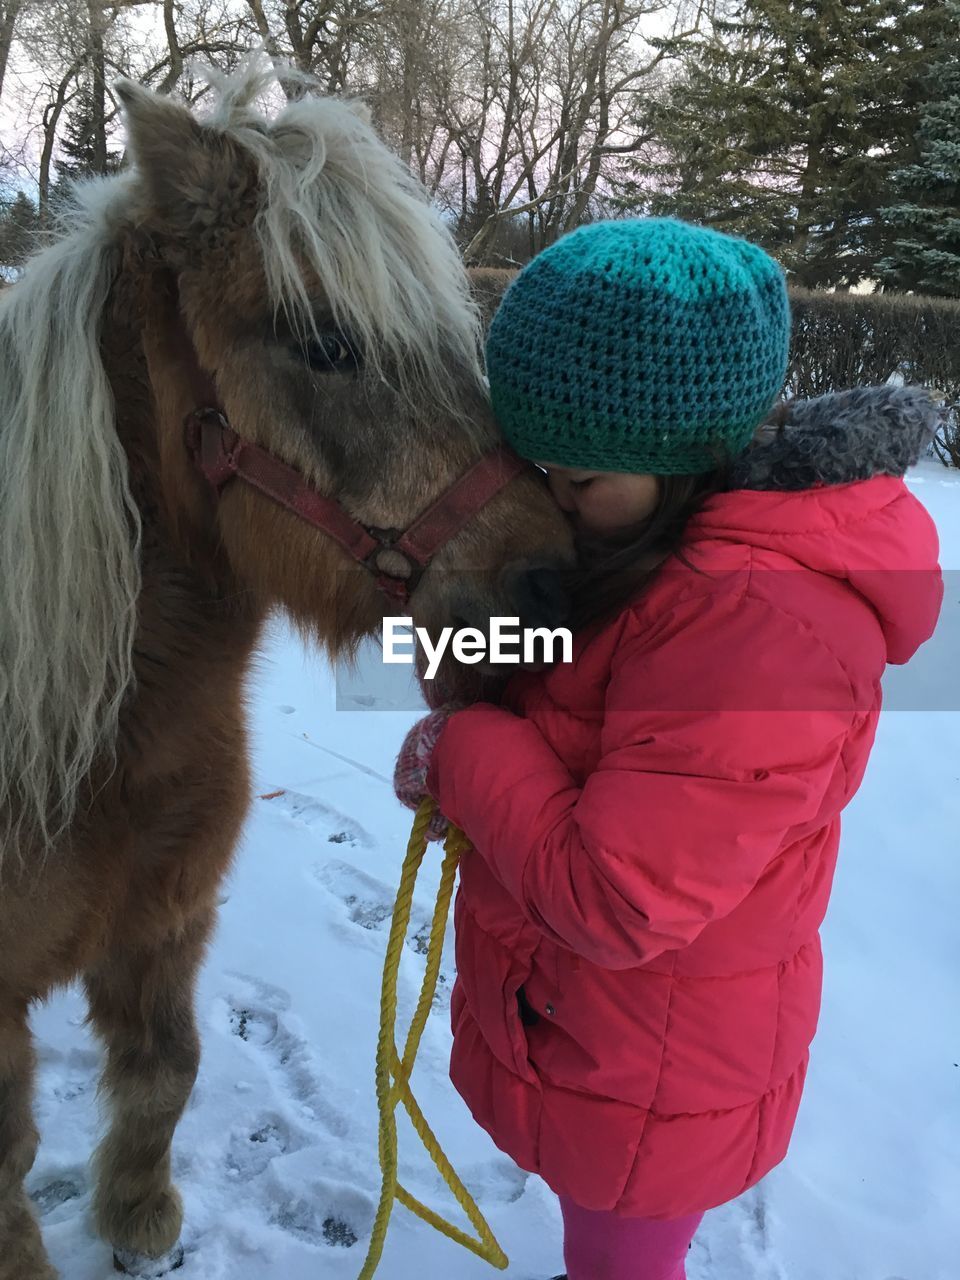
<point x="823" y="490"/>
<point x="839" y="438"/>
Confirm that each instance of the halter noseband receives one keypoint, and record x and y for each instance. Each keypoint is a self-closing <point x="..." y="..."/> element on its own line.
<point x="220" y="454"/>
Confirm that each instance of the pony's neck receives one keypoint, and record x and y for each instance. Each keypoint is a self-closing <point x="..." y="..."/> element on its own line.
<point x="121" y="347"/>
<point x="178" y="524"/>
<point x="196" y="626"/>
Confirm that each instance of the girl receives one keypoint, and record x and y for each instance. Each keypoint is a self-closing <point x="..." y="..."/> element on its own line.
<point x="655" y="824"/>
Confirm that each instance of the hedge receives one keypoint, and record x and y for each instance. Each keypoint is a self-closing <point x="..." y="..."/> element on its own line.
<point x="850" y="339"/>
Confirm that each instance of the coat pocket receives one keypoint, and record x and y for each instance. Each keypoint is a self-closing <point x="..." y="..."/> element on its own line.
<point x="490" y="977"/>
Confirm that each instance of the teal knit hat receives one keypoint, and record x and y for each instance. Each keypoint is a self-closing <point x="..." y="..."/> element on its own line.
<point x="642" y="345"/>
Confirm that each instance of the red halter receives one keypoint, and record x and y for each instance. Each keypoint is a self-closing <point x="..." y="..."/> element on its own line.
<point x="221" y="454"/>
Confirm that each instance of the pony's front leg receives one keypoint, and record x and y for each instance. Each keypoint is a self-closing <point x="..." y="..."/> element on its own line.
<point x="22" y="1255"/>
<point x="141" y="1004"/>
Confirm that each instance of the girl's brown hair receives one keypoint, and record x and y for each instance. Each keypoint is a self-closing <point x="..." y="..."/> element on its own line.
<point x="612" y="571"/>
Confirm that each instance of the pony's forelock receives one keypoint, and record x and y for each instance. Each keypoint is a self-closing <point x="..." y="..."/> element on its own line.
<point x="337" y="204"/>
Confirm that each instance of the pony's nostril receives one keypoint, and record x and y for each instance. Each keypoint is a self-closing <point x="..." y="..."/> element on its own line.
<point x="542" y="598"/>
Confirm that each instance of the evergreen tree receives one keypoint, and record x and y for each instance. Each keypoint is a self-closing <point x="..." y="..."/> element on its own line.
<point x="785" y="123"/>
<point x="925" y="257"/>
<point x="19" y="227"/>
<point x="78" y="147"/>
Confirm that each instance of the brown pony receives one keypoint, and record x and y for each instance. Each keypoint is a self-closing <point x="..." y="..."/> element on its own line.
<point x="285" y="266"/>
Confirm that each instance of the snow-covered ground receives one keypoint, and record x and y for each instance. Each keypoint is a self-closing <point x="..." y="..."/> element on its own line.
<point x="276" y="1155"/>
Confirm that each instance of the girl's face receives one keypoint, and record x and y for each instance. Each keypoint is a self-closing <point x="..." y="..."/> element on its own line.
<point x="602" y="502"/>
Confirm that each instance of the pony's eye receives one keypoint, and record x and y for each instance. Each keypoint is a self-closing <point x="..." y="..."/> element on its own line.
<point x="329" y="352"/>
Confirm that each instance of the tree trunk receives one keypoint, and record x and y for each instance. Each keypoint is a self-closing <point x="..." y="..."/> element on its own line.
<point x="51" y="118"/>
<point x="98" y="86"/>
<point x="9" y="13"/>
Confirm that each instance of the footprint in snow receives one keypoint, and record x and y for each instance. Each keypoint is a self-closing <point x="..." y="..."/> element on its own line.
<point x="496" y="1181"/>
<point x="757" y="1208"/>
<point x="324" y="1216"/>
<point x="57" y="1189"/>
<point x="369" y="901"/>
<point x="67" y="1090"/>
<point x="253" y="1147"/>
<point x="369" y="904"/>
<point x="311" y="812"/>
<point x="301" y="1218"/>
<point x="255" y="1016"/>
<point x="64" y="1077"/>
<point x="755" y="1235"/>
<point x="256" y="1026"/>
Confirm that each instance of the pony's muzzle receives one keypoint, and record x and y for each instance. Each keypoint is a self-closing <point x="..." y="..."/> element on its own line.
<point x="540" y="597"/>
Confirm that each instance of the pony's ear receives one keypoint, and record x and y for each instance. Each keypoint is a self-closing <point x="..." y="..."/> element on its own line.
<point x="179" y="160"/>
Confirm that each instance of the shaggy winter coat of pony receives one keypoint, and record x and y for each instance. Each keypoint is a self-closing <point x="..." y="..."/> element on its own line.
<point x="656" y="826"/>
<point x="272" y="264"/>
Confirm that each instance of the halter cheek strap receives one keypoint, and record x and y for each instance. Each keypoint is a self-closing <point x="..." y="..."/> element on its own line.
<point x="222" y="455"/>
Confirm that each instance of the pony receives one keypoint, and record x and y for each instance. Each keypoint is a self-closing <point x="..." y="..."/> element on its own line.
<point x="233" y="383"/>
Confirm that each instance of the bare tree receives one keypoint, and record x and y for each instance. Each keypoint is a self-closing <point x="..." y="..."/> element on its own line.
<point x="10" y="11"/>
<point x="64" y="93"/>
<point x="512" y="112"/>
<point x="319" y="37"/>
<point x="567" y="79"/>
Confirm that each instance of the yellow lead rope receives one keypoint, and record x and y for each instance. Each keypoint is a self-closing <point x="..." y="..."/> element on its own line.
<point x="393" y="1071"/>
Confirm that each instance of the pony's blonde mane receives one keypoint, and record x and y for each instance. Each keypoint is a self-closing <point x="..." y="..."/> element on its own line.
<point x="69" y="529"/>
<point x="339" y="203"/>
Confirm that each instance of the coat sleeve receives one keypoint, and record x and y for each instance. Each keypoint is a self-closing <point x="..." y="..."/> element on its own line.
<point x="714" y="746"/>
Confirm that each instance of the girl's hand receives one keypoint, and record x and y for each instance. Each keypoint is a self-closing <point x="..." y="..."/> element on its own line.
<point x="413" y="762"/>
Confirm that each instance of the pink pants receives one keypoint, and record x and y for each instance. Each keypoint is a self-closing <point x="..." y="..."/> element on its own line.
<point x="604" y="1246"/>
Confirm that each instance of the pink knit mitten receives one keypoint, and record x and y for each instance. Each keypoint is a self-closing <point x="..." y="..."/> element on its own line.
<point x="410" y="774"/>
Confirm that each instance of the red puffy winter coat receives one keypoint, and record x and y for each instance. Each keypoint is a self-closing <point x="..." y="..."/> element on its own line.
<point x="655" y="830"/>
